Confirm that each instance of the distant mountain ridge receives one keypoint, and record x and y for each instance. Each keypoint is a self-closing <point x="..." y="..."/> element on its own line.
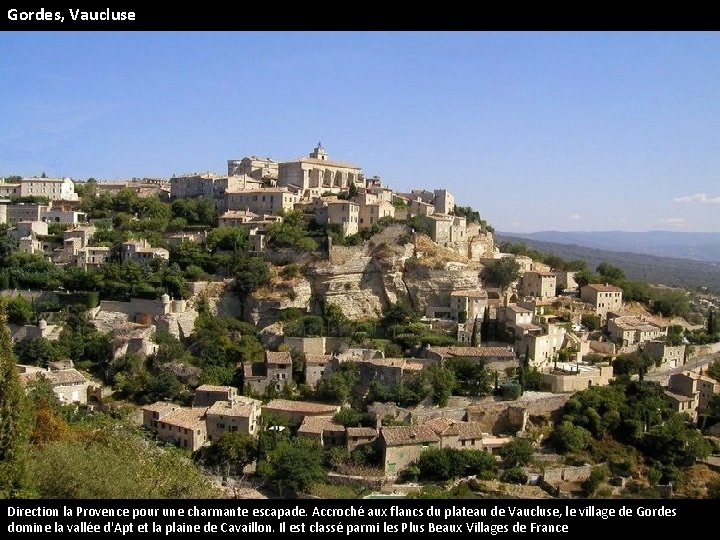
<point x="697" y="246"/>
<point x="669" y="271"/>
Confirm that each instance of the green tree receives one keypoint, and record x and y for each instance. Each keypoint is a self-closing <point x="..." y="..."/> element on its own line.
<point x="19" y="311"/>
<point x="14" y="420"/>
<point x="517" y="452"/>
<point x="570" y="438"/>
<point x="502" y="272"/>
<point x="348" y="417"/>
<point x="232" y="452"/>
<point x="671" y="303"/>
<point x="609" y="273"/>
<point x="294" y="466"/>
<point x="472" y="379"/>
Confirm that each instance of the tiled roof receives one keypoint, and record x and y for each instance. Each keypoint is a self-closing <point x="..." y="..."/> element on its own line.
<point x="317" y="358"/>
<point x="600" y="287"/>
<point x="300" y="406"/>
<point x="678" y="397"/>
<point x="239" y="407"/>
<point x="473" y="352"/>
<point x="471" y="293"/>
<point x="319" y="424"/>
<point x="186" y="417"/>
<point x="62" y="376"/>
<point x="213" y="388"/>
<point x="361" y="432"/>
<point x="162" y="407"/>
<point x="404" y="435"/>
<point x="280" y="357"/>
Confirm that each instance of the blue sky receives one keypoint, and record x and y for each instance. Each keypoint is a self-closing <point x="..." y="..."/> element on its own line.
<point x="536" y="130"/>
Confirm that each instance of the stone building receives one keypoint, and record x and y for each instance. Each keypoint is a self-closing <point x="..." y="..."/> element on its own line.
<point x="631" y="330"/>
<point x="259" y="168"/>
<point x="538" y="284"/>
<point x="238" y="415"/>
<point x="182" y="426"/>
<point x="569" y="377"/>
<point x="330" y="210"/>
<point x="69" y="385"/>
<point x="316" y="174"/>
<point x="141" y="251"/>
<point x="55" y="189"/>
<point x="402" y="445"/>
<point x="665" y="353"/>
<point x="207" y="394"/>
<point x="295" y="412"/>
<point x="260" y="201"/>
<point x="276" y="370"/>
<point x="324" y="430"/>
<point x="602" y="297"/>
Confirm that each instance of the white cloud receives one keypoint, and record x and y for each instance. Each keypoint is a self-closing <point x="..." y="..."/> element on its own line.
<point x="515" y="224"/>
<point x="574" y="217"/>
<point x="701" y="198"/>
<point x="673" y="221"/>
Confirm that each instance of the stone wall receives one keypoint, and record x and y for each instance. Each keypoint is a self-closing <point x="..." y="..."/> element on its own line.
<point x="496" y="418"/>
<point x="567" y="474"/>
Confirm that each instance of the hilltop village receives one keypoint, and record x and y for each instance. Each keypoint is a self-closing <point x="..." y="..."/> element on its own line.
<point x="257" y="317"/>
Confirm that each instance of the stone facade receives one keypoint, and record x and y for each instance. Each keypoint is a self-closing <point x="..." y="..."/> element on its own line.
<point x="603" y="298"/>
<point x="316" y="174"/>
<point x="672" y="355"/>
<point x="69" y="385"/>
<point x="402" y="445"/>
<point x="539" y="284"/>
<point x="55" y="189"/>
<point x="629" y="331"/>
<point x="567" y="377"/>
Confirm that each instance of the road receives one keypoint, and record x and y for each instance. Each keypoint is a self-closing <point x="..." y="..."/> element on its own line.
<point x="693" y="365"/>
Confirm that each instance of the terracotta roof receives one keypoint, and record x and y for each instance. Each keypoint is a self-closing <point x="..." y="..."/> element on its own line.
<point x="300" y="406"/>
<point x="280" y="357"/>
<point x="238" y="407"/>
<point x="600" y="287"/>
<point x="518" y="309"/>
<point x="59" y="377"/>
<point x="319" y="424"/>
<point x="473" y="352"/>
<point x="471" y="293"/>
<point x="238" y="214"/>
<point x="186" y="417"/>
<point x="632" y="322"/>
<point x="160" y="407"/>
<point x="469" y="430"/>
<point x="442" y="426"/>
<point x="317" y="358"/>
<point x="361" y="432"/>
<point x="404" y="435"/>
<point x="678" y="397"/>
<point x="214" y="388"/>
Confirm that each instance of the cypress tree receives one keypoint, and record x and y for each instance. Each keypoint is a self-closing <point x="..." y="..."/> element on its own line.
<point x="14" y="419"/>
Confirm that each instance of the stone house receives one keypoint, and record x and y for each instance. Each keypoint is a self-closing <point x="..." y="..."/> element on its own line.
<point x="55" y="189"/>
<point x="457" y="434"/>
<point x="569" y="377"/>
<point x="69" y="385"/>
<point x="359" y="436"/>
<point x="260" y="201"/>
<point x="324" y="430"/>
<point x="689" y="383"/>
<point x="182" y="426"/>
<point x="471" y="303"/>
<point x="141" y="251"/>
<point x="631" y="330"/>
<point x="258" y="168"/>
<point x="538" y="284"/>
<point x="602" y="297"/>
<point x="239" y="415"/>
<point x="294" y="412"/>
<point x="91" y="257"/>
<point x="331" y="210"/>
<point x="276" y="370"/>
<point x="207" y="394"/>
<point x="390" y="371"/>
<point x="317" y="366"/>
<point x="672" y="355"/>
<point x="403" y="445"/>
<point x="495" y="358"/>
